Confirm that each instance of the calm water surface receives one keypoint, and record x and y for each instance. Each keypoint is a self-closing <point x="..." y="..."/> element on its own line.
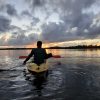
<point x="75" y="76"/>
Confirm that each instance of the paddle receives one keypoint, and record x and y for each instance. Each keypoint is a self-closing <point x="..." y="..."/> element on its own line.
<point x="54" y="56"/>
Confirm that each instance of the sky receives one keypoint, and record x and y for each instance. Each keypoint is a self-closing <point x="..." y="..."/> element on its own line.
<point x="24" y="22"/>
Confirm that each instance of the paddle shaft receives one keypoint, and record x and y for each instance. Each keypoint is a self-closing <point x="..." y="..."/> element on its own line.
<point x="54" y="56"/>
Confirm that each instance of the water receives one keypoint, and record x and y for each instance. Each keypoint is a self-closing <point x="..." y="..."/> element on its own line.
<point x="75" y="76"/>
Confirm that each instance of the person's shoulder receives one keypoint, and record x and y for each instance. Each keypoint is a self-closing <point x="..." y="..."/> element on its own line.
<point x="43" y="48"/>
<point x="34" y="49"/>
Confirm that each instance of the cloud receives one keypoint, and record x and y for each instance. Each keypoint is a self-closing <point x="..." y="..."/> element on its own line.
<point x="73" y="16"/>
<point x="17" y="39"/>
<point x="52" y="30"/>
<point x="4" y="24"/>
<point x="11" y="10"/>
<point x="2" y="2"/>
<point x="18" y="36"/>
<point x="75" y="19"/>
<point x="26" y="13"/>
<point x="21" y="39"/>
<point x="70" y="14"/>
<point x="34" y="21"/>
<point x="8" y="9"/>
<point x="35" y="3"/>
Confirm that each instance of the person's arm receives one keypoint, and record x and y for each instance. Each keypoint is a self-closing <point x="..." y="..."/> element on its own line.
<point x="45" y="55"/>
<point x="29" y="56"/>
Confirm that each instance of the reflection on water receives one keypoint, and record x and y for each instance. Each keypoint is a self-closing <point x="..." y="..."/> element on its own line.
<point x="76" y="53"/>
<point x="62" y="52"/>
<point x="77" y="77"/>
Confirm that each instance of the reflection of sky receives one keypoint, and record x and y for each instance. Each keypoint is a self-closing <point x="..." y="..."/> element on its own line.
<point x="71" y="77"/>
<point x="64" y="53"/>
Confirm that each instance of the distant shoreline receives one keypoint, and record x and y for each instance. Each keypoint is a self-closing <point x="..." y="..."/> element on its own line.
<point x="73" y="47"/>
<point x="15" y="48"/>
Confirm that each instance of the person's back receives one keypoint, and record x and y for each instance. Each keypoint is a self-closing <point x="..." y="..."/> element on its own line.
<point x="39" y="55"/>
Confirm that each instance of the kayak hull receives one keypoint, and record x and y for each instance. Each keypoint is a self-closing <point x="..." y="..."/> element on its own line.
<point x="34" y="68"/>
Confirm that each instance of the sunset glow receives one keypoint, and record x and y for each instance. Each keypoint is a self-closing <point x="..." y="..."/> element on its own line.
<point x="55" y="23"/>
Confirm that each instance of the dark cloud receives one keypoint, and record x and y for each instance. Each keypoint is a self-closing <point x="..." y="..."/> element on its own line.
<point x="4" y="24"/>
<point x="94" y="31"/>
<point x="17" y="39"/>
<point x="2" y="3"/>
<point x="8" y="9"/>
<point x="11" y="10"/>
<point x="1" y="8"/>
<point x="34" y="21"/>
<point x="59" y="32"/>
<point x="22" y="39"/>
<point x="32" y="37"/>
<point x="54" y="32"/>
<point x="75" y="21"/>
<point x="71" y="14"/>
<point x="15" y="28"/>
<point x="35" y="3"/>
<point x="18" y="36"/>
<point x="26" y="13"/>
<point x="38" y="6"/>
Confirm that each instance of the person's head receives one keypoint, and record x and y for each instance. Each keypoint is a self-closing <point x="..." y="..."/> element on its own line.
<point x="39" y="44"/>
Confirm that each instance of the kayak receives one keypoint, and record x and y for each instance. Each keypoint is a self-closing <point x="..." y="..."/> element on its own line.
<point x="32" y="67"/>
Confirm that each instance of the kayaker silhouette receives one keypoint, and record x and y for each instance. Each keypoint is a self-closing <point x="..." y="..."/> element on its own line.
<point x="39" y="55"/>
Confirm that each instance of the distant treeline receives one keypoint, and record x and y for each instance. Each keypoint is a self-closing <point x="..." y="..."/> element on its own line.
<point x="77" y="47"/>
<point x="15" y="48"/>
<point x="57" y="47"/>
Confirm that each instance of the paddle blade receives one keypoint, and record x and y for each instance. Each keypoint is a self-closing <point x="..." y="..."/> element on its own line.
<point x="56" y="56"/>
<point x="22" y="57"/>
